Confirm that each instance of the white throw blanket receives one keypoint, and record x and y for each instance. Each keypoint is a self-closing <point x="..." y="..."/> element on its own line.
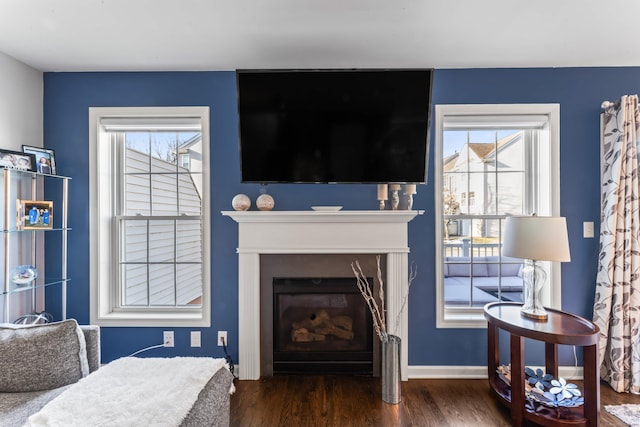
<point x="131" y="392"/>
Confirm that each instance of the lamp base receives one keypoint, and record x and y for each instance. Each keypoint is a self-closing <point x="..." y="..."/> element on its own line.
<point x="534" y="313"/>
<point x="534" y="278"/>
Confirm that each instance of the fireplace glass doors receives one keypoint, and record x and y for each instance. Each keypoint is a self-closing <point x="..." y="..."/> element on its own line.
<point x="321" y="326"/>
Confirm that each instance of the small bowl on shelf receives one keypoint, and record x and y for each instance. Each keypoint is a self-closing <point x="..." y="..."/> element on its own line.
<point x="326" y="208"/>
<point x="24" y="274"/>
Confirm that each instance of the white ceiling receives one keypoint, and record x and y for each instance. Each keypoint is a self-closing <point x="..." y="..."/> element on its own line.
<point x="128" y="35"/>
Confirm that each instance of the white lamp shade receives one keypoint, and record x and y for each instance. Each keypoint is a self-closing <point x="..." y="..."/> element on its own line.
<point x="538" y="238"/>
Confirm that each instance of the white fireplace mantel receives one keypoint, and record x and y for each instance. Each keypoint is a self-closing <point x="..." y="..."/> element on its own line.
<point x="313" y="232"/>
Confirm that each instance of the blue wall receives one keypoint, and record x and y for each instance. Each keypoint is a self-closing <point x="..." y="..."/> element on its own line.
<point x="579" y="91"/>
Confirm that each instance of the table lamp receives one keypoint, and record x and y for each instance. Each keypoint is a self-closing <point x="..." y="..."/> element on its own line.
<point x="535" y="238"/>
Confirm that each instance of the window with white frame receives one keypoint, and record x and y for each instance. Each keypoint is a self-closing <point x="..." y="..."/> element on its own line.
<point x="150" y="219"/>
<point x="492" y="161"/>
<point x="185" y="160"/>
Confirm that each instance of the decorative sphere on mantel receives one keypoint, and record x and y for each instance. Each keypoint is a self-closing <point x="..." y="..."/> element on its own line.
<point x="265" y="202"/>
<point x="241" y="202"/>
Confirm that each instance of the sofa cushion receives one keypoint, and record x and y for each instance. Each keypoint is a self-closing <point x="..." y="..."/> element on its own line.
<point x="16" y="408"/>
<point x="41" y="357"/>
<point x="458" y="292"/>
<point x="509" y="267"/>
<point x="459" y="266"/>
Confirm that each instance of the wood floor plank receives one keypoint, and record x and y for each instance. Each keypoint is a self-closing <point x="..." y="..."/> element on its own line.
<point x="344" y="401"/>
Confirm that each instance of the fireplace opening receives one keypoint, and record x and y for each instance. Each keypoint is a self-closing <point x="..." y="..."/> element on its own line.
<point x="321" y="326"/>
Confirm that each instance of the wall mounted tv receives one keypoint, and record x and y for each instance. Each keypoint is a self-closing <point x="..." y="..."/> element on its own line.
<point x="334" y="126"/>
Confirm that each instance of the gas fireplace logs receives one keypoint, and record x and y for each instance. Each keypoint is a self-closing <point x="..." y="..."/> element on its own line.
<point x="319" y="325"/>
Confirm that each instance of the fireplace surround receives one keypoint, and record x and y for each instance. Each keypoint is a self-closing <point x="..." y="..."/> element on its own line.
<point x="346" y="235"/>
<point x="303" y="266"/>
<point x="320" y="326"/>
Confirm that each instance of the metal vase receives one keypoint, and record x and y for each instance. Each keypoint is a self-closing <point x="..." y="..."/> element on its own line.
<point x="390" y="371"/>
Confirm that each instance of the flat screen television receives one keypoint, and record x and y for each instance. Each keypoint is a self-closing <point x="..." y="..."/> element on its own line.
<point x="334" y="126"/>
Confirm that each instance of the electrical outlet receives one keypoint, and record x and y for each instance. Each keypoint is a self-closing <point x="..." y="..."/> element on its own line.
<point x="168" y="338"/>
<point x="587" y="229"/>
<point x="195" y="338"/>
<point x="222" y="335"/>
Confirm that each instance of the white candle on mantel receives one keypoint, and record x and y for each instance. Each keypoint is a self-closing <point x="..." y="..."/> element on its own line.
<point x="383" y="191"/>
<point x="409" y="189"/>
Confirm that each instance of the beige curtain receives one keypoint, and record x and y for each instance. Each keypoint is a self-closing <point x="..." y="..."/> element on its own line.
<point x="617" y="297"/>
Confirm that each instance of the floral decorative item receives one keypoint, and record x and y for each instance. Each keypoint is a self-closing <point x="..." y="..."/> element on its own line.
<point x="538" y="378"/>
<point x="543" y="389"/>
<point x="377" y="310"/>
<point x="560" y="394"/>
<point x="390" y="372"/>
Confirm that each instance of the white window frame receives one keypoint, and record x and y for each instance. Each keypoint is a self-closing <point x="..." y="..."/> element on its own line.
<point x="105" y="307"/>
<point x="479" y="116"/>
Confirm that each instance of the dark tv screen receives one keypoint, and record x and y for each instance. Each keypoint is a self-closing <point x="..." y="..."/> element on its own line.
<point x="334" y="126"/>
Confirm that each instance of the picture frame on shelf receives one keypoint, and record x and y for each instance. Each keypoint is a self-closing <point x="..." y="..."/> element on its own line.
<point x="34" y="214"/>
<point x="17" y="160"/>
<point x="45" y="159"/>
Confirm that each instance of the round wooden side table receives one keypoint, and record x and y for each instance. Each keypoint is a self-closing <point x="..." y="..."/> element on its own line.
<point x="558" y="328"/>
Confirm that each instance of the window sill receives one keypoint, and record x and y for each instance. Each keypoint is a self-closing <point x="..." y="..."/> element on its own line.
<point x="462" y="319"/>
<point x="153" y="318"/>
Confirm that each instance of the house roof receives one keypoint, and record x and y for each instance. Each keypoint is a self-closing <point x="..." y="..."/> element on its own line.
<point x="449" y="162"/>
<point x="481" y="149"/>
<point x="190" y="142"/>
<point x="485" y="150"/>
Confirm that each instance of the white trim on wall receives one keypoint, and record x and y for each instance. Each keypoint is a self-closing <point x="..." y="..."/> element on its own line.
<point x="104" y="309"/>
<point x="417" y="372"/>
<point x="570" y="373"/>
<point x="482" y="116"/>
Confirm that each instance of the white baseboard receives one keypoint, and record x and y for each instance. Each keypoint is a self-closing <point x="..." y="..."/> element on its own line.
<point x="464" y="372"/>
<point x="476" y="372"/>
<point x="436" y="372"/>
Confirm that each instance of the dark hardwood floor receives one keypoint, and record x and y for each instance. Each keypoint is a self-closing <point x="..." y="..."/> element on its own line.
<point x="356" y="401"/>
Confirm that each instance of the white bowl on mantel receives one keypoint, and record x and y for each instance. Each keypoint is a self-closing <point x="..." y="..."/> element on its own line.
<point x="326" y="208"/>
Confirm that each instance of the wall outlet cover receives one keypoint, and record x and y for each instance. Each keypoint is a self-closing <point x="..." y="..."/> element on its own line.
<point x="222" y="335"/>
<point x="195" y="339"/>
<point x="167" y="339"/>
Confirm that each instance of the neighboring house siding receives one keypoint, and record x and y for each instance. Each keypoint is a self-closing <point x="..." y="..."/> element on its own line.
<point x="158" y="195"/>
<point x="193" y="147"/>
